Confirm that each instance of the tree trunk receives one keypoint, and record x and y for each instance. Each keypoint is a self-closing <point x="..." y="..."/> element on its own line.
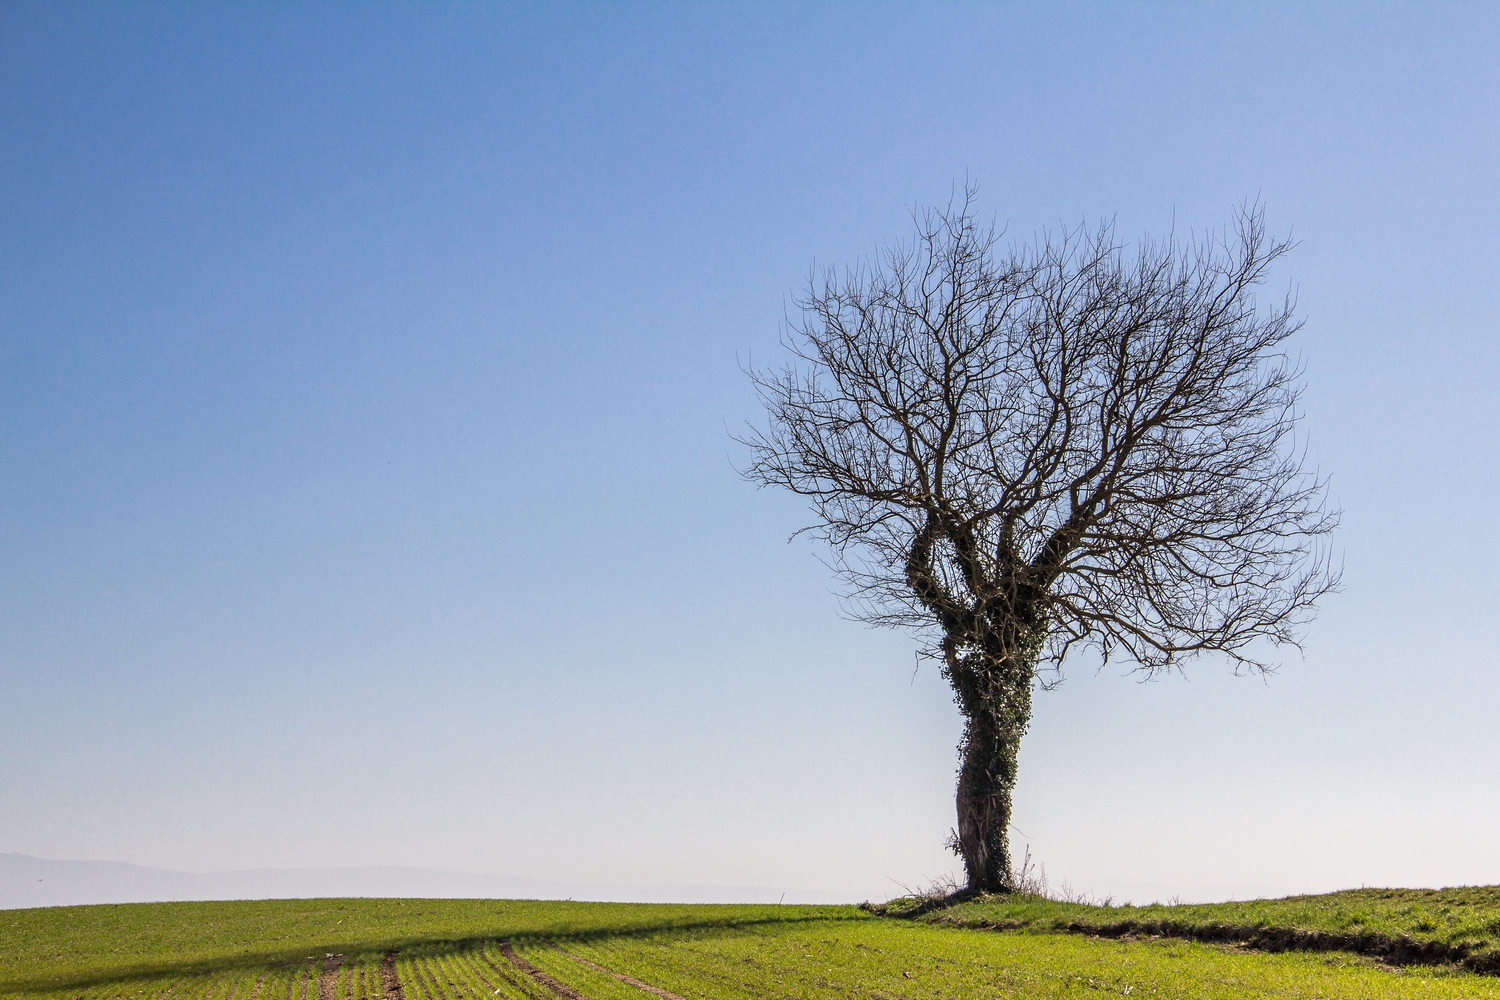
<point x="985" y="781"/>
<point x="993" y="690"/>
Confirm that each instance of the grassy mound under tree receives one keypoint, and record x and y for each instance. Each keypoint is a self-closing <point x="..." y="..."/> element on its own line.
<point x="1458" y="926"/>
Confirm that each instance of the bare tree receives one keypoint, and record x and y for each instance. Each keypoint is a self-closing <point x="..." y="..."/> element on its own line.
<point x="1021" y="451"/>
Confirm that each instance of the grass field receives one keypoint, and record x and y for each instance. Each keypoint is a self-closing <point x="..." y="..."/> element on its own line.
<point x="376" y="949"/>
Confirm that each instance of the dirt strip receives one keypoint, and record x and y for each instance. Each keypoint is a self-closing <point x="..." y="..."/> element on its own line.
<point x="389" y="981"/>
<point x="328" y="979"/>
<point x="654" y="990"/>
<point x="562" y="989"/>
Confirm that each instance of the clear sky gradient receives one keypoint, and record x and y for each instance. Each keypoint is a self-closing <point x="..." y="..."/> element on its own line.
<point x="366" y="493"/>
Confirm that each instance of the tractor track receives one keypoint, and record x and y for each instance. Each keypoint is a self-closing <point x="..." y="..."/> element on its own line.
<point x="507" y="976"/>
<point x="653" y="990"/>
<point x="558" y="987"/>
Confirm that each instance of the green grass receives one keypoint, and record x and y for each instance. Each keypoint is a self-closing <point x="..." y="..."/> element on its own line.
<point x="1460" y="926"/>
<point x="451" y="950"/>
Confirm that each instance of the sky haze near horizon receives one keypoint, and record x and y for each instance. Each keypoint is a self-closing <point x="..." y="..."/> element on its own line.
<point x="366" y="381"/>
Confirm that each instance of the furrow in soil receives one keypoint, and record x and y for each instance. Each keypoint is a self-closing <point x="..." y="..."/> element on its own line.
<point x="390" y="983"/>
<point x="328" y="979"/>
<point x="307" y="982"/>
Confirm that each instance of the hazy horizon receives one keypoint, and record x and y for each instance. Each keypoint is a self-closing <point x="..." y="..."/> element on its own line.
<point x="27" y="881"/>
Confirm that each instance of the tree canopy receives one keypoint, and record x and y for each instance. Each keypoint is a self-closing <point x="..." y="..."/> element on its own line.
<point x="1018" y="450"/>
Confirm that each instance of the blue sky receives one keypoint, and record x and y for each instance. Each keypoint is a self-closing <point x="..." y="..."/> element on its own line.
<point x="366" y="380"/>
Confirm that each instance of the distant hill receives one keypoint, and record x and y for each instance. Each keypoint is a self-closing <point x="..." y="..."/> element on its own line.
<point x="26" y="881"/>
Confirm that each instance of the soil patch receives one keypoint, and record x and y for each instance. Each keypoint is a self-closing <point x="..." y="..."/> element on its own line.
<point x="390" y="983"/>
<point x="328" y="979"/>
